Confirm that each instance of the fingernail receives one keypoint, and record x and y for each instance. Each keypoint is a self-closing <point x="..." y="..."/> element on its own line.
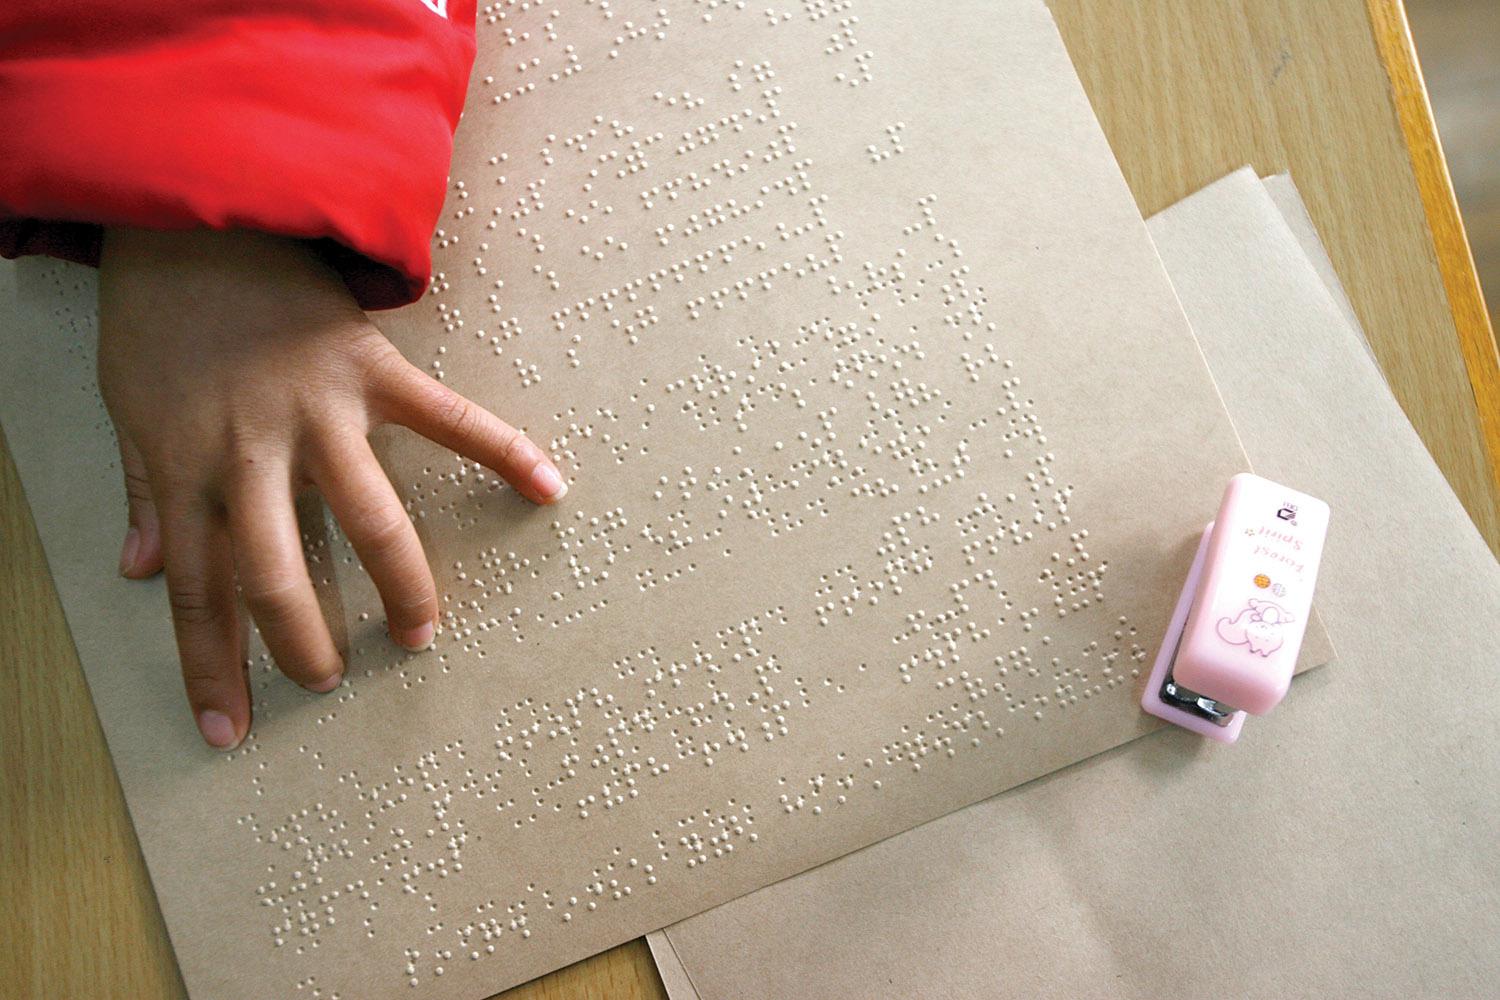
<point x="129" y="551"/>
<point x="217" y="729"/>
<point x="417" y="638"/>
<point x="327" y="684"/>
<point x="548" y="482"/>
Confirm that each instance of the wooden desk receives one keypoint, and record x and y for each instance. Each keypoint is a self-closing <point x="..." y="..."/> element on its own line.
<point x="1187" y="91"/>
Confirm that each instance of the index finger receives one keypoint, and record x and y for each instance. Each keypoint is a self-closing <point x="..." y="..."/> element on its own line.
<point x="407" y="396"/>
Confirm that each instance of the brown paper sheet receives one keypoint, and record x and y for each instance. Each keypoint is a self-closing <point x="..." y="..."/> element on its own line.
<point x="1346" y="847"/>
<point x="873" y="393"/>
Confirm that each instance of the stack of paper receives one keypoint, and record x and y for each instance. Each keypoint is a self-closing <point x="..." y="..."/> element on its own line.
<point x="1345" y="847"/>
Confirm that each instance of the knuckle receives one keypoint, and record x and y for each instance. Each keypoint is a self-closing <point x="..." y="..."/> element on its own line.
<point x="517" y="451"/>
<point x="416" y="605"/>
<point x="274" y="600"/>
<point x="137" y="487"/>
<point x="385" y="531"/>
<point x="371" y="347"/>
<point x="201" y="677"/>
<point x="456" y="415"/>
<point x="180" y="487"/>
<point x="378" y="358"/>
<point x="249" y="454"/>
<point x="306" y="666"/>
<point x="192" y="605"/>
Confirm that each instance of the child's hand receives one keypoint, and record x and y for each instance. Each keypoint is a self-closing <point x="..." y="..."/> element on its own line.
<point x="239" y="371"/>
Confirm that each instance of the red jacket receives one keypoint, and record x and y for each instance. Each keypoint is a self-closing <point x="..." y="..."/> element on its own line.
<point x="326" y="119"/>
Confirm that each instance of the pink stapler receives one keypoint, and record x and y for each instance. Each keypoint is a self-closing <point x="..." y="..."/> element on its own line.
<point x="1233" y="639"/>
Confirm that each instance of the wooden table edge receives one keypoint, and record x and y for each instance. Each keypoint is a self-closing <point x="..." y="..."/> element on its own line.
<point x="1450" y="241"/>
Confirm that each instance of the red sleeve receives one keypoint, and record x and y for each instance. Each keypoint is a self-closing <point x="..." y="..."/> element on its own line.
<point x="330" y="120"/>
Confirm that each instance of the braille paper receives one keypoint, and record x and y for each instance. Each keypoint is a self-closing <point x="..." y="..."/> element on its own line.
<point x="1345" y="847"/>
<point x="887" y="441"/>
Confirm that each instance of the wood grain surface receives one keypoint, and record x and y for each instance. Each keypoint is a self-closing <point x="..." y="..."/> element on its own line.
<point x="1187" y="90"/>
<point x="1326" y="89"/>
<point x="1461" y="279"/>
<point x="1459" y="45"/>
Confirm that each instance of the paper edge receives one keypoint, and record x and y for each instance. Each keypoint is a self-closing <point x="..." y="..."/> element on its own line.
<point x="669" y="966"/>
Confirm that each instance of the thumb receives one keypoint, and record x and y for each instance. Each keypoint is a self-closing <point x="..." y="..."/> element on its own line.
<point x="140" y="556"/>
